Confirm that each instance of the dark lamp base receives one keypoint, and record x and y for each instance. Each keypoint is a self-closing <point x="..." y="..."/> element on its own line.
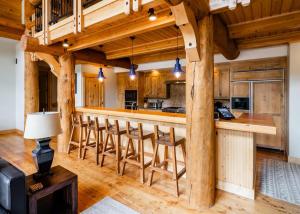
<point x="42" y="156"/>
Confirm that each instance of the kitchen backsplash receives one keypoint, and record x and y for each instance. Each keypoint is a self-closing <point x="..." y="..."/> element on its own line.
<point x="177" y="96"/>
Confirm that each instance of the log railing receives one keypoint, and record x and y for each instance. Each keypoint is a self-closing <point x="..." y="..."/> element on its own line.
<point x="60" y="9"/>
<point x="38" y="19"/>
<point x="88" y="3"/>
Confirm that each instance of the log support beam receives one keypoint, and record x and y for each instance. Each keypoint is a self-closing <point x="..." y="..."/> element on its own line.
<point x="65" y="98"/>
<point x="31" y="85"/>
<point x="200" y="136"/>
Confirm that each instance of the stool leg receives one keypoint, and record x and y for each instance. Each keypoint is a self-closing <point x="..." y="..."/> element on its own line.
<point x="142" y="161"/>
<point x="125" y="156"/>
<point x="104" y="149"/>
<point x="118" y="154"/>
<point x="153" y="147"/>
<point x="101" y="141"/>
<point x="86" y="144"/>
<point x="175" y="176"/>
<point x="152" y="165"/>
<point x="97" y="147"/>
<point x="166" y="163"/>
<point x="80" y="143"/>
<point x="71" y="136"/>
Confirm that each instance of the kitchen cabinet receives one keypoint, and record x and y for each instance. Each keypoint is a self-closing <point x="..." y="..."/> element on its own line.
<point x="221" y="82"/>
<point x="155" y="86"/>
<point x="93" y="92"/>
<point x="240" y="89"/>
<point x="268" y="98"/>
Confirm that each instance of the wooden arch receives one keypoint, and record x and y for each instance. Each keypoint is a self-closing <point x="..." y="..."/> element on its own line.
<point x="50" y="60"/>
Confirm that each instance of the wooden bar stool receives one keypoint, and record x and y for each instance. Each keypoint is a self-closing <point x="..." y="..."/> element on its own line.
<point x="77" y="123"/>
<point x="95" y="144"/>
<point x="167" y="140"/>
<point x="113" y="150"/>
<point x="136" y="158"/>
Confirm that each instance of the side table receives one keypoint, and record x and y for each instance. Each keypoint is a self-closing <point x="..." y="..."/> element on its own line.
<point x="59" y="193"/>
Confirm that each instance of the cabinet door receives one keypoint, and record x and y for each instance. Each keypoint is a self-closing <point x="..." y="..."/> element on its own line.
<point x="224" y="83"/>
<point x="161" y="86"/>
<point x="154" y="86"/>
<point x="93" y="92"/>
<point x="268" y="99"/>
<point x="240" y="89"/>
<point x="148" y="85"/>
<point x="216" y="83"/>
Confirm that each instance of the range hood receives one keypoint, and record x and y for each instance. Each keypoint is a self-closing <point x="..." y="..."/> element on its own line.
<point x="173" y="82"/>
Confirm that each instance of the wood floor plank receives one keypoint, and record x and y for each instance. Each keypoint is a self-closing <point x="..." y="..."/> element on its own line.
<point x="94" y="183"/>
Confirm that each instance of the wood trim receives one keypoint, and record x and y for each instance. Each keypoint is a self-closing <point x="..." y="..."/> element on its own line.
<point x="8" y="131"/>
<point x="50" y="60"/>
<point x="236" y="189"/>
<point x="295" y="160"/>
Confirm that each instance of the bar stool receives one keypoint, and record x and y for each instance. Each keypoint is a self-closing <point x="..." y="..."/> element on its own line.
<point x="95" y="144"/>
<point x="136" y="158"/>
<point x="113" y="150"/>
<point x="167" y="140"/>
<point x="77" y="123"/>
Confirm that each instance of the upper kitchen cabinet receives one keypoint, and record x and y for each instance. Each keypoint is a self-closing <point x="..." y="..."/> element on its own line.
<point x="221" y="81"/>
<point x="155" y="85"/>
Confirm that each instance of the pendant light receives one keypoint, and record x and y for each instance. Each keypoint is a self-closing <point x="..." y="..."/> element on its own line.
<point x="132" y="73"/>
<point x="151" y="14"/>
<point x="177" y="68"/>
<point x="65" y="43"/>
<point x="101" y="76"/>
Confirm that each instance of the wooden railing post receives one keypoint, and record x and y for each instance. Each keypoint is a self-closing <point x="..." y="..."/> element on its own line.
<point x="200" y="134"/>
<point x="31" y="85"/>
<point x="65" y="98"/>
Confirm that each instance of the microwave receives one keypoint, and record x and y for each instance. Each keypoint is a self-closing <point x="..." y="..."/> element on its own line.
<point x="240" y="103"/>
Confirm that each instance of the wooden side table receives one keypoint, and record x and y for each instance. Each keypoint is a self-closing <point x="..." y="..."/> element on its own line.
<point x="59" y="193"/>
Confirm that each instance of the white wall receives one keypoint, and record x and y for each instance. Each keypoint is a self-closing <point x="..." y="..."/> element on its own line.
<point x="110" y="84"/>
<point x="294" y="101"/>
<point x="7" y="84"/>
<point x="20" y="94"/>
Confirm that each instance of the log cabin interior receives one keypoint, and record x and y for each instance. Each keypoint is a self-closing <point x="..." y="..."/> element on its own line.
<point x="149" y="106"/>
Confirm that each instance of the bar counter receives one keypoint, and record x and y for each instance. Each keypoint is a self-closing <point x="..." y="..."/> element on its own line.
<point x="235" y="144"/>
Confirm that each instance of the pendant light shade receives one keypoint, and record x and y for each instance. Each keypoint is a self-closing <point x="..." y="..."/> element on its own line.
<point x="177" y="69"/>
<point x="101" y="76"/>
<point x="132" y="73"/>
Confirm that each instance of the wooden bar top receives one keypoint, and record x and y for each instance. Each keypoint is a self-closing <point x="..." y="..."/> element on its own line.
<point x="255" y="123"/>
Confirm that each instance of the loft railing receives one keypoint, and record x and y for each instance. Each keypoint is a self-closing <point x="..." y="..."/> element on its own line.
<point x="88" y="3"/>
<point x="60" y="9"/>
<point x="38" y="19"/>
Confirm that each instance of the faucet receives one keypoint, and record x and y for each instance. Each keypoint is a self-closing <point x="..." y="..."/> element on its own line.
<point x="133" y="105"/>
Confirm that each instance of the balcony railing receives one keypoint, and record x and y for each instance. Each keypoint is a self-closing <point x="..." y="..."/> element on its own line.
<point x="88" y="3"/>
<point x="60" y="9"/>
<point x="38" y="19"/>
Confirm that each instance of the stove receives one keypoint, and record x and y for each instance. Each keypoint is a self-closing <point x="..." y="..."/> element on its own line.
<point x="174" y="110"/>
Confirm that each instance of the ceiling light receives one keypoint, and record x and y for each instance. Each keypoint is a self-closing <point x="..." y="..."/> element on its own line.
<point x="101" y="76"/>
<point x="65" y="43"/>
<point x="151" y="13"/>
<point x="132" y="73"/>
<point x="177" y="68"/>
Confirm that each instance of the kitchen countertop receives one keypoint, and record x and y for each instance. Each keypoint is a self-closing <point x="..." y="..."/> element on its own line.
<point x="255" y="123"/>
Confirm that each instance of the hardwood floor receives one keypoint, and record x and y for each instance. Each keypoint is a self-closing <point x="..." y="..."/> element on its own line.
<point x="95" y="183"/>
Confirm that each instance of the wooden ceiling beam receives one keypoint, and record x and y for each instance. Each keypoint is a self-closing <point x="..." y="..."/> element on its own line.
<point x="146" y="48"/>
<point x="11" y="29"/>
<point x="35" y="2"/>
<point x="223" y="42"/>
<point x="271" y="40"/>
<point x="138" y="26"/>
<point x="264" y="26"/>
<point x="30" y="44"/>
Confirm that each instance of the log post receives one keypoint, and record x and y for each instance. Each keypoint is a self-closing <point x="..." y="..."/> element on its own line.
<point x="65" y="98"/>
<point x="31" y="85"/>
<point x="200" y="136"/>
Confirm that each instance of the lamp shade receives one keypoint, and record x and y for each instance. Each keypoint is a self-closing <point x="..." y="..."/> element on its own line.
<point x="132" y="73"/>
<point x="101" y="76"/>
<point x="177" y="69"/>
<point x="41" y="125"/>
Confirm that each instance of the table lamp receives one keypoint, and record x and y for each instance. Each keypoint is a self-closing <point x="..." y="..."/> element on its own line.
<point x="41" y="126"/>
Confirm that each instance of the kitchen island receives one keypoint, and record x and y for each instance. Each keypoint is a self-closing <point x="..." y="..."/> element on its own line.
<point x="235" y="146"/>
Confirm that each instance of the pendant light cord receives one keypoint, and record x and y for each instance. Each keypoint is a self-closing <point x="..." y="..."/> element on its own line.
<point x="132" y="50"/>
<point x="177" y="41"/>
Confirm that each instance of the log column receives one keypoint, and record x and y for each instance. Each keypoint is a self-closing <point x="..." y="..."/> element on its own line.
<point x="31" y="85"/>
<point x="65" y="98"/>
<point x="200" y="136"/>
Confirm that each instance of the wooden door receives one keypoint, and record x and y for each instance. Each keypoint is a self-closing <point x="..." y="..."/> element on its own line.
<point x="240" y="89"/>
<point x="224" y="83"/>
<point x="93" y="92"/>
<point x="268" y="98"/>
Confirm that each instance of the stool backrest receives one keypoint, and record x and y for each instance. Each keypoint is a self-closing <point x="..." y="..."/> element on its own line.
<point x="130" y="129"/>
<point x="109" y="127"/>
<point x="159" y="135"/>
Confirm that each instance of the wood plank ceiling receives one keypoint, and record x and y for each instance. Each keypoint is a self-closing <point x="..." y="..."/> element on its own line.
<point x="262" y="23"/>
